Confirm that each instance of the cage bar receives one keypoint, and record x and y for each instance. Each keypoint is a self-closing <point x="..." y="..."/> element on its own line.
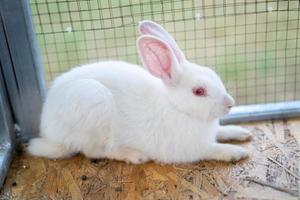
<point x="256" y="112"/>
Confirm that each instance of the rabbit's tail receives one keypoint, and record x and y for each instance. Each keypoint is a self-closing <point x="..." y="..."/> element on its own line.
<point x="44" y="148"/>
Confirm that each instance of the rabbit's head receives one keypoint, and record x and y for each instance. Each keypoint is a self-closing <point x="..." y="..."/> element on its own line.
<point x="195" y="90"/>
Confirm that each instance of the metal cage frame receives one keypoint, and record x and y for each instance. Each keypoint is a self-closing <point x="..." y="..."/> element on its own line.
<point x="21" y="79"/>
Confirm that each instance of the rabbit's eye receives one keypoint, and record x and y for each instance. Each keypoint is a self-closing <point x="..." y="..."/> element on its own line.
<point x="200" y="91"/>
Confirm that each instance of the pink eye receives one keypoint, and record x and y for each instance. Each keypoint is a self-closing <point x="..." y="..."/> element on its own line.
<point x="200" y="91"/>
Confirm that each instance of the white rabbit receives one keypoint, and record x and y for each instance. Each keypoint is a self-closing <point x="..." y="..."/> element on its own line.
<point x="120" y="111"/>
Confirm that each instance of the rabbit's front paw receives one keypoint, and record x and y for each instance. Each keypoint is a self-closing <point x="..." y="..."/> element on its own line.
<point x="238" y="133"/>
<point x="226" y="152"/>
<point x="237" y="154"/>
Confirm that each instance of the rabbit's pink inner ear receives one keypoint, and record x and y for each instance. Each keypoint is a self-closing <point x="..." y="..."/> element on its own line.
<point x="156" y="56"/>
<point x="151" y="28"/>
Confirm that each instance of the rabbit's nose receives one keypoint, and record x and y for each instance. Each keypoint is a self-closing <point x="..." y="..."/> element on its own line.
<point x="228" y="101"/>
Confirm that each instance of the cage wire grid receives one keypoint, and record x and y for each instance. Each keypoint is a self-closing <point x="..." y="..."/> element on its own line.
<point x="252" y="44"/>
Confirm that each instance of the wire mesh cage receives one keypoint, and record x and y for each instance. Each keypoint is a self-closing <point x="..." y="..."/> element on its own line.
<point x="252" y="44"/>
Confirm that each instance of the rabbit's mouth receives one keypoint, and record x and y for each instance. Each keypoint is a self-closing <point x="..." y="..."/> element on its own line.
<point x="226" y="110"/>
<point x="218" y="110"/>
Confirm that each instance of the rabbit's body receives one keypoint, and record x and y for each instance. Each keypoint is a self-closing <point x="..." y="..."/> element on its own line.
<point x="119" y="110"/>
<point x="160" y="132"/>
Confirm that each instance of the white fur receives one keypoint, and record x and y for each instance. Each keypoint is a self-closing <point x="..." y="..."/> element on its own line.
<point x="118" y="110"/>
<point x="231" y="132"/>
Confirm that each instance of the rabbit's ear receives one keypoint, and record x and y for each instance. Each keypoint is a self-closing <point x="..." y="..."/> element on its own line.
<point x="159" y="58"/>
<point x="148" y="27"/>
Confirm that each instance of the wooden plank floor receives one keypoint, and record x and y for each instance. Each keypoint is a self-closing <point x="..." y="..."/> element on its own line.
<point x="273" y="163"/>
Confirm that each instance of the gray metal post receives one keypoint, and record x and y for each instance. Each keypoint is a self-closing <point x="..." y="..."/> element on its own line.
<point x="6" y="131"/>
<point x="281" y="110"/>
<point x="21" y="65"/>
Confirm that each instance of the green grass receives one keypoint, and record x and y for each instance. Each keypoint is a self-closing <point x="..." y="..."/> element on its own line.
<point x="254" y="53"/>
